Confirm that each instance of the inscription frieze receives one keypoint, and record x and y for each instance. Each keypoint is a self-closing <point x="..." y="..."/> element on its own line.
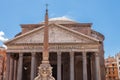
<point x="57" y="47"/>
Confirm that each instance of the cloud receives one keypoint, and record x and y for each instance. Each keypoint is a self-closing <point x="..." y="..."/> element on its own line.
<point x="2" y="38"/>
<point x="4" y="46"/>
<point x="61" y="18"/>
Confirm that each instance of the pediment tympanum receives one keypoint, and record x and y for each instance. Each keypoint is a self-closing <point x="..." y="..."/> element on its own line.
<point x="57" y="34"/>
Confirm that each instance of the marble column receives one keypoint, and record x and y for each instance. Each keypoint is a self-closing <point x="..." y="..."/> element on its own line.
<point x="7" y="66"/>
<point x="33" y="65"/>
<point x="84" y="66"/>
<point x="59" y="66"/>
<point x="15" y="70"/>
<point x="97" y="66"/>
<point x="11" y="68"/>
<point x="20" y="67"/>
<point x="71" y="65"/>
<point x="91" y="62"/>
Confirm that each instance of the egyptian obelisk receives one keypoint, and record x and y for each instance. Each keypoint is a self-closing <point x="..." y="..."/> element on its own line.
<point x="45" y="69"/>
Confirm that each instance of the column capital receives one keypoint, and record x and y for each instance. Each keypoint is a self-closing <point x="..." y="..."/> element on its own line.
<point x="8" y="54"/>
<point x="20" y="54"/>
<point x="84" y="54"/>
<point x="97" y="54"/>
<point x="59" y="53"/>
<point x="12" y="55"/>
<point x="71" y="53"/>
<point x="33" y="54"/>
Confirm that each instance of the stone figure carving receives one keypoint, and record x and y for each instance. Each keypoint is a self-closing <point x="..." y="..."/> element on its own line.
<point x="44" y="72"/>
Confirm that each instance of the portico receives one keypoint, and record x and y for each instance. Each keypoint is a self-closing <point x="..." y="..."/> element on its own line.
<point x="67" y="61"/>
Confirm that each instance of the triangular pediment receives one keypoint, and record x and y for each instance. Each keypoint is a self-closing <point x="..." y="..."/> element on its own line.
<point x="57" y="34"/>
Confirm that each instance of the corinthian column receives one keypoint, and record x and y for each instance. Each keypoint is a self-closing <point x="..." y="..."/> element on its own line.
<point x="97" y="66"/>
<point x="15" y="69"/>
<point x="71" y="65"/>
<point x="20" y="66"/>
<point x="58" y="65"/>
<point x="8" y="66"/>
<point x="33" y="66"/>
<point x="11" y="68"/>
<point x="84" y="66"/>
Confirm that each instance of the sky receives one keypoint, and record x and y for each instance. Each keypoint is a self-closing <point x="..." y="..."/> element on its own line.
<point x="104" y="14"/>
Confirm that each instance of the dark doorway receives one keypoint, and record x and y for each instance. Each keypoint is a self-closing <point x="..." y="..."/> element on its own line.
<point x="54" y="71"/>
<point x="53" y="62"/>
<point x="26" y="71"/>
<point x="26" y="66"/>
<point x="78" y="66"/>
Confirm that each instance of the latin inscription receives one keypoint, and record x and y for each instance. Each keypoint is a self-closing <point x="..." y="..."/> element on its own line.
<point x="57" y="47"/>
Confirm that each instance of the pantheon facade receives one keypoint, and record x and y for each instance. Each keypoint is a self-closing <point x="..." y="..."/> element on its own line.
<point x="76" y="51"/>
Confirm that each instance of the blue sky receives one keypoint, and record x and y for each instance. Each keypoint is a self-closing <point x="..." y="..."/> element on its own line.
<point x="104" y="14"/>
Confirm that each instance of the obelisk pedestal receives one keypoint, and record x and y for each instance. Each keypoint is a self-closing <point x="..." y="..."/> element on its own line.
<point x="44" y="72"/>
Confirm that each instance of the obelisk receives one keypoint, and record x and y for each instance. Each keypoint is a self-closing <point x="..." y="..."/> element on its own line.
<point x="46" y="39"/>
<point x="45" y="69"/>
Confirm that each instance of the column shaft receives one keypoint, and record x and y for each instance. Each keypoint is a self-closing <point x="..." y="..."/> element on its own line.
<point x="97" y="66"/>
<point x="71" y="65"/>
<point x="91" y="62"/>
<point x="11" y="68"/>
<point x="20" y="66"/>
<point x="84" y="66"/>
<point x="33" y="66"/>
<point x="58" y="65"/>
<point x="8" y="66"/>
<point x="15" y="69"/>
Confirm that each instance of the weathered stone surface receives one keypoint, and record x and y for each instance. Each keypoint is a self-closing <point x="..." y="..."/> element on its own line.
<point x="44" y="72"/>
<point x="61" y="38"/>
<point x="2" y="62"/>
<point x="57" y="34"/>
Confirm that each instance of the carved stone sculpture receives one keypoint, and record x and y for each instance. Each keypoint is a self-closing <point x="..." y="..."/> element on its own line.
<point x="44" y="72"/>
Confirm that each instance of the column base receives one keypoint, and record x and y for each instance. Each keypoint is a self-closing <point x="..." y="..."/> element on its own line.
<point x="45" y="71"/>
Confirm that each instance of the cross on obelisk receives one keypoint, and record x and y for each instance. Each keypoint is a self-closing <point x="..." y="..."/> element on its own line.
<point x="45" y="69"/>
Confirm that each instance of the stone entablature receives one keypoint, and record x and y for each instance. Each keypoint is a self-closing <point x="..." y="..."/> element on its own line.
<point x="53" y="47"/>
